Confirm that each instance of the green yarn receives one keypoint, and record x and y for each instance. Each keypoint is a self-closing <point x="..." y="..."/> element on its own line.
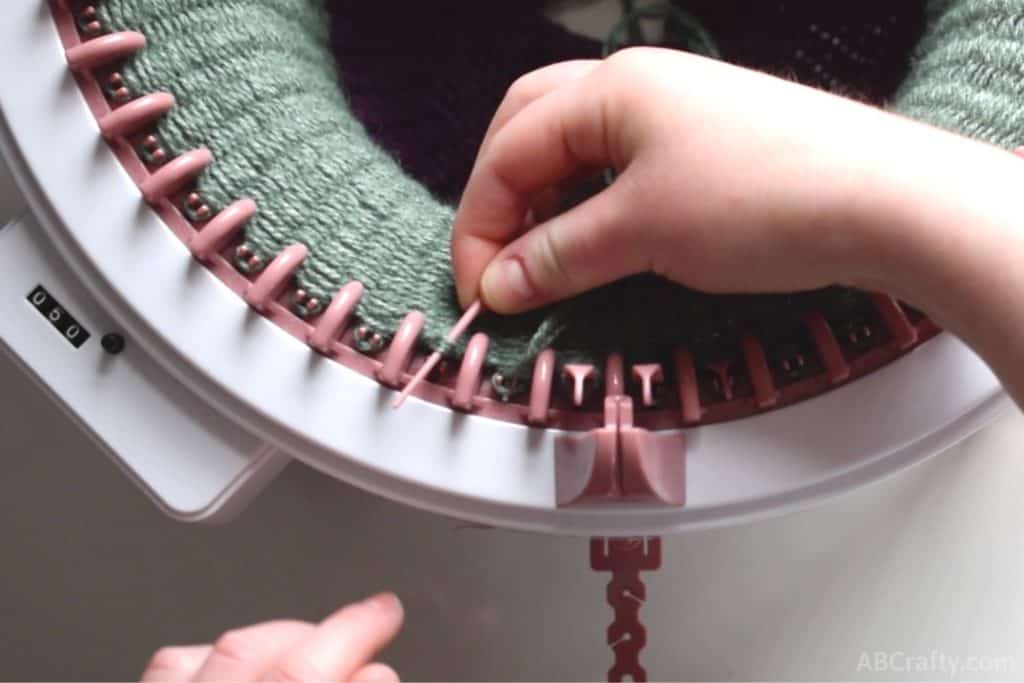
<point x="255" y="84"/>
<point x="682" y="30"/>
<point x="968" y="75"/>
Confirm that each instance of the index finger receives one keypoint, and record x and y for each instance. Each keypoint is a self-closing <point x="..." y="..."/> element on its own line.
<point x="550" y="140"/>
<point x="343" y="643"/>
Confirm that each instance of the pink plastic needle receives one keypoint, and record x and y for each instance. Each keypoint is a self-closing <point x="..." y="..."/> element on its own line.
<point x="453" y="336"/>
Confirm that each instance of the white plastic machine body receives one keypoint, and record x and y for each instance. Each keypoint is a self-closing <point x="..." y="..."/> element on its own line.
<point x="209" y="400"/>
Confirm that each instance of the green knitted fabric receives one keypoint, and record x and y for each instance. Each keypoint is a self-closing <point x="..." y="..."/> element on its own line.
<point x="255" y="84"/>
<point x="969" y="72"/>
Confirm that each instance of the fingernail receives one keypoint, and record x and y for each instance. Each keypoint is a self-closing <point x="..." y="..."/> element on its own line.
<point x="377" y="673"/>
<point x="385" y="602"/>
<point x="507" y="280"/>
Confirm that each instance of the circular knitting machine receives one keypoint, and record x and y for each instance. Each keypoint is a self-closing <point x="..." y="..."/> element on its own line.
<point x="235" y="255"/>
<point x="217" y="275"/>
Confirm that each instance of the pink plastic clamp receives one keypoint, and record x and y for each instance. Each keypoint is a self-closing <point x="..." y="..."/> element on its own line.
<point x="620" y="462"/>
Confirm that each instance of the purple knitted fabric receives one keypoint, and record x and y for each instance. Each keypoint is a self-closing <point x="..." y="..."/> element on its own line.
<point x="426" y="77"/>
<point x="859" y="49"/>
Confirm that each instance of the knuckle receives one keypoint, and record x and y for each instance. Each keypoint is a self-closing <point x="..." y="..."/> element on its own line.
<point x="234" y="646"/>
<point x="521" y="90"/>
<point x="168" y="659"/>
<point x="295" y="671"/>
<point x="625" y="62"/>
<point x="552" y="258"/>
<point x="380" y="672"/>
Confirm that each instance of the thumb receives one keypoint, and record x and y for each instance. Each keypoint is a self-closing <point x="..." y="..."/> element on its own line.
<point x="592" y="244"/>
<point x="573" y="129"/>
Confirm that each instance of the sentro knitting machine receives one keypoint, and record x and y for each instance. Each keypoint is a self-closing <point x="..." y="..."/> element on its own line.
<point x="121" y="297"/>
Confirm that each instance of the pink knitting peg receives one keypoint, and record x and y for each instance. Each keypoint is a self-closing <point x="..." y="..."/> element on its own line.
<point x="903" y="333"/>
<point x="579" y="374"/>
<point x="104" y="50"/>
<point x="760" y="374"/>
<point x="131" y="117"/>
<point x="273" y="280"/>
<point x="175" y="174"/>
<point x="215" y="235"/>
<point x="453" y="336"/>
<point x="831" y="354"/>
<point x="400" y="351"/>
<point x="648" y="375"/>
<point x="540" y="388"/>
<point x="615" y="375"/>
<point x="689" y="392"/>
<point x="471" y="373"/>
<point x="722" y="371"/>
<point x="333" y="321"/>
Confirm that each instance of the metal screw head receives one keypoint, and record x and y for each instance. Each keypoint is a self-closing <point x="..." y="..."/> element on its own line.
<point x="152" y="151"/>
<point x="115" y="89"/>
<point x="858" y="335"/>
<point x="247" y="261"/>
<point x="506" y="386"/>
<point x="197" y="210"/>
<point x="367" y="341"/>
<point x="88" y="21"/>
<point x="305" y="305"/>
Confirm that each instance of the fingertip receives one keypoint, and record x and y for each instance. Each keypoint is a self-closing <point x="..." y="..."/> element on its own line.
<point x="175" y="663"/>
<point x="470" y="257"/>
<point x="466" y="295"/>
<point x="375" y="673"/>
<point x="506" y="286"/>
<point x="387" y="603"/>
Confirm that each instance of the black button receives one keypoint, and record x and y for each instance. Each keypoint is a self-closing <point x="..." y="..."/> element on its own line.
<point x="112" y="343"/>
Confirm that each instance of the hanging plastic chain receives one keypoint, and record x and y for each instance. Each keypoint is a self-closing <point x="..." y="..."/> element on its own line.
<point x="625" y="558"/>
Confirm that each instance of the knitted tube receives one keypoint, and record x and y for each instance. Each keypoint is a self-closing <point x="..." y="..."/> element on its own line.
<point x="255" y="83"/>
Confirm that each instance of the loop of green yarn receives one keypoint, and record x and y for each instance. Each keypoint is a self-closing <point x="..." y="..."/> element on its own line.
<point x="682" y="29"/>
<point x="255" y="83"/>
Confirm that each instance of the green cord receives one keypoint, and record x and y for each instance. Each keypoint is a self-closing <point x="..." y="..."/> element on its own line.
<point x="682" y="29"/>
<point x="636" y="31"/>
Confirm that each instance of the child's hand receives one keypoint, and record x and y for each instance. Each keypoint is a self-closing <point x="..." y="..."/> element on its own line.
<point x="734" y="181"/>
<point x="728" y="180"/>
<point x="338" y="649"/>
